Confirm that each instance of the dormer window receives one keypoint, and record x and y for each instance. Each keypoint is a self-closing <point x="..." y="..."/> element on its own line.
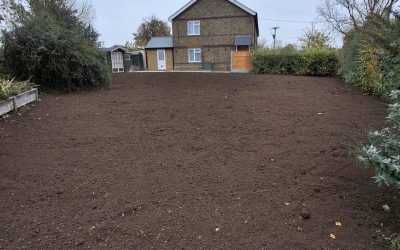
<point x="194" y="28"/>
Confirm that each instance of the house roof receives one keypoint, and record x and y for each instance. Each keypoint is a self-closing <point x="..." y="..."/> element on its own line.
<point x="189" y="4"/>
<point x="242" y="40"/>
<point x="238" y="4"/>
<point x="113" y="48"/>
<point x="160" y="42"/>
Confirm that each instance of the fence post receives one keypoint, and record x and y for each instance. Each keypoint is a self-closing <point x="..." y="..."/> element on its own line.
<point x="14" y="104"/>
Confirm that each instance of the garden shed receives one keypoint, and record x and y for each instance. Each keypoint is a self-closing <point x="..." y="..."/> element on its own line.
<point x="122" y="60"/>
<point x="138" y="60"/>
<point x="159" y="54"/>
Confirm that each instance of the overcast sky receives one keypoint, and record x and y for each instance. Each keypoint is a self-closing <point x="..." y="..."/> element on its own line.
<point x="116" y="20"/>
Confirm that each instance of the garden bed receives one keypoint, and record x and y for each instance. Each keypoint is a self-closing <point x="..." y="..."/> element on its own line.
<point x="194" y="161"/>
<point x="13" y="103"/>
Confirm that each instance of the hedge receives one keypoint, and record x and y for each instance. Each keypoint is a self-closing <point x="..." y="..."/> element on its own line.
<point x="309" y="62"/>
<point x="370" y="57"/>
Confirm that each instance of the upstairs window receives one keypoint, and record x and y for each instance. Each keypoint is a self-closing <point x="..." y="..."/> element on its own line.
<point x="194" y="28"/>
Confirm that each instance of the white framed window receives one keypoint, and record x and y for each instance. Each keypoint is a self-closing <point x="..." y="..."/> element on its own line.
<point x="117" y="61"/>
<point x="193" y="28"/>
<point x="194" y="55"/>
<point x="127" y="57"/>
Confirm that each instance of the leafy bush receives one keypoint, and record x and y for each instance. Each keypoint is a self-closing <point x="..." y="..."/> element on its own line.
<point x="370" y="57"/>
<point x="383" y="149"/>
<point x="394" y="242"/>
<point x="308" y="62"/>
<point x="3" y="70"/>
<point x="52" y="45"/>
<point x="9" y="88"/>
<point x="319" y="62"/>
<point x="390" y="56"/>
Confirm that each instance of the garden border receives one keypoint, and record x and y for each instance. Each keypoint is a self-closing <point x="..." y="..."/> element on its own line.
<point x="15" y="102"/>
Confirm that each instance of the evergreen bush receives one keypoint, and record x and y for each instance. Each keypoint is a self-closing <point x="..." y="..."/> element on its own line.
<point x="370" y="57"/>
<point x="53" y="47"/>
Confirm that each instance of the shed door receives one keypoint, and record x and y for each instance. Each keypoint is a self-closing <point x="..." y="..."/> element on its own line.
<point x="161" y="59"/>
<point x="117" y="61"/>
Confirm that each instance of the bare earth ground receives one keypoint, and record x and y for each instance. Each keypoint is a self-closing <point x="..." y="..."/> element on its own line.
<point x="193" y="161"/>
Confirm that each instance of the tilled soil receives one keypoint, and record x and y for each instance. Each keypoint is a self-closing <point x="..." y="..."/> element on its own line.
<point x="194" y="161"/>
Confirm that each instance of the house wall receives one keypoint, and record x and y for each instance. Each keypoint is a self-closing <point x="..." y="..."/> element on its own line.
<point x="220" y="22"/>
<point x="152" y="59"/>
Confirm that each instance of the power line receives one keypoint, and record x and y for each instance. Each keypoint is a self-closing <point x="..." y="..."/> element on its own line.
<point x="288" y="10"/>
<point x="291" y="21"/>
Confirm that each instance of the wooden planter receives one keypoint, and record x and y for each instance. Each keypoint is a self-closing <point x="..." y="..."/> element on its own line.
<point x="15" y="102"/>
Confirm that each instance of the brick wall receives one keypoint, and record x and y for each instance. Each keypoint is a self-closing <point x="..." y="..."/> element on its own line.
<point x="152" y="59"/>
<point x="220" y="22"/>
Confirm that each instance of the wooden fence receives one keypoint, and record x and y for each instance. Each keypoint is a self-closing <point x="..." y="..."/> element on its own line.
<point x="241" y="61"/>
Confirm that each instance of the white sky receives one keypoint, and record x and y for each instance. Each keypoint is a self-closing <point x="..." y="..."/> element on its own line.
<point x="116" y="20"/>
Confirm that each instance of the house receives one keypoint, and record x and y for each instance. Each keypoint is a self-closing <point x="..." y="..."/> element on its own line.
<point x="122" y="60"/>
<point x="218" y="32"/>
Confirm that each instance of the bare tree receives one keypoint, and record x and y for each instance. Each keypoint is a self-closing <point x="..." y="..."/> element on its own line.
<point x="343" y="15"/>
<point x="262" y="43"/>
<point x="86" y="12"/>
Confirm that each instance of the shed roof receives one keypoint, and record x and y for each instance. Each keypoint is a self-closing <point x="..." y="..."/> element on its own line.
<point x="113" y="48"/>
<point x="138" y="52"/>
<point x="242" y="40"/>
<point x="160" y="42"/>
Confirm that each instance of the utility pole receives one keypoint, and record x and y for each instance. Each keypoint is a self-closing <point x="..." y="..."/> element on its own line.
<point x="274" y="35"/>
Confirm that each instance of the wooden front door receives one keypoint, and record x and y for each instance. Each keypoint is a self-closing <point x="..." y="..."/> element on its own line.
<point x="241" y="61"/>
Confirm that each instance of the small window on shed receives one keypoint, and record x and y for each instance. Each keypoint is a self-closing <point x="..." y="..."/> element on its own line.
<point x="127" y="57"/>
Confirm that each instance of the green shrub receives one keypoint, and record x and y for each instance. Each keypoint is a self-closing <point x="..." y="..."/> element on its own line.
<point x="319" y="62"/>
<point x="309" y="62"/>
<point x="3" y="70"/>
<point x="368" y="69"/>
<point x="9" y="88"/>
<point x="268" y="61"/>
<point x="53" y="47"/>
<point x="394" y="242"/>
<point x="382" y="151"/>
<point x="390" y="56"/>
<point x="348" y="56"/>
<point x="370" y="57"/>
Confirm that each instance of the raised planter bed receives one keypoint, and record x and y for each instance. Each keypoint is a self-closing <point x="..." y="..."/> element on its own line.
<point x="15" y="102"/>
